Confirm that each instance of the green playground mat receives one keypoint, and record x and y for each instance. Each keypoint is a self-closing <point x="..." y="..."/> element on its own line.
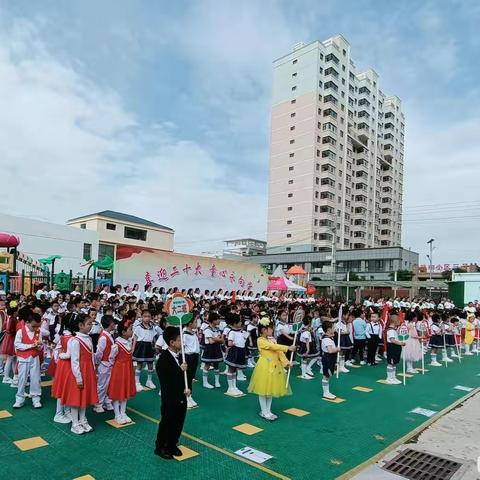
<point x="323" y="444"/>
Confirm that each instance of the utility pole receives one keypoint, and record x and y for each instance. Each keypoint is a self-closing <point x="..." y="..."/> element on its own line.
<point x="430" y="258"/>
<point x="333" y="262"/>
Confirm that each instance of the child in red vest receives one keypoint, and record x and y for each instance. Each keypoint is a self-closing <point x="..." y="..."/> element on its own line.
<point x="122" y="379"/>
<point x="104" y="370"/>
<point x="79" y="388"/>
<point x="28" y="346"/>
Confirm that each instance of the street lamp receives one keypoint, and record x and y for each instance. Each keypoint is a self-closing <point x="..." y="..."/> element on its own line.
<point x="430" y="258"/>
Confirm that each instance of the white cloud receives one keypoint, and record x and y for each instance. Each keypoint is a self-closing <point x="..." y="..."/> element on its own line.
<point x="68" y="147"/>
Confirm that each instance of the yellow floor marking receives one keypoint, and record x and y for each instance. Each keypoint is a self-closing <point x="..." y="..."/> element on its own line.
<point x="30" y="443"/>
<point x="114" y="423"/>
<point x="297" y="412"/>
<point x="187" y="453"/>
<point x="217" y="449"/>
<point x="46" y="383"/>
<point x="335" y="400"/>
<point x="5" y="414"/>
<point x="354" y="366"/>
<point x="406" y="375"/>
<point x="335" y="461"/>
<point x="85" y="477"/>
<point x="363" y="389"/>
<point x="247" y="429"/>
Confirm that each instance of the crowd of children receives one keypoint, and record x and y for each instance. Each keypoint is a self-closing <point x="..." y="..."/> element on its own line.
<point x="96" y="346"/>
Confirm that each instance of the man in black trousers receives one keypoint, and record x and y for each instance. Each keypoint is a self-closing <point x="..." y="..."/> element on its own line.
<point x="174" y="395"/>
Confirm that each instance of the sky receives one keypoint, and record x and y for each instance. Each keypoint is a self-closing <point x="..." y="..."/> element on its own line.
<point x="161" y="109"/>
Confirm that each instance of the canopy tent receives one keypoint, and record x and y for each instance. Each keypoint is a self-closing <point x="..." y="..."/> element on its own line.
<point x="49" y="260"/>
<point x="296" y="270"/>
<point x="278" y="273"/>
<point x="284" y="284"/>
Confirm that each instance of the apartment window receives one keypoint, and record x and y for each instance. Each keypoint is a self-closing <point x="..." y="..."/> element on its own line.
<point x="291" y="155"/>
<point x="317" y="165"/>
<point x="295" y="61"/>
<point x="290" y="169"/>
<point x="294" y="74"/>
<point x="316" y="195"/>
<point x="290" y="182"/>
<point x="288" y="249"/>
<point x="289" y="222"/>
<point x="316" y="208"/>
<point x="290" y="195"/>
<point x="289" y="209"/>
<point x="317" y="181"/>
<point x="293" y="101"/>
<point x="315" y="236"/>
<point x="111" y="226"/>
<point x="289" y="235"/>
<point x="332" y="58"/>
<point x="83" y="226"/>
<point x="292" y="141"/>
<point x="135" y="234"/>
<point x="87" y="251"/>
<point x="331" y="85"/>
<point x="105" y="251"/>
<point x="292" y="128"/>
<point x="292" y="114"/>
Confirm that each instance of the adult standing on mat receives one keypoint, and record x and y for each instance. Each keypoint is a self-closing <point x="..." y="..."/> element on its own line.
<point x="174" y="396"/>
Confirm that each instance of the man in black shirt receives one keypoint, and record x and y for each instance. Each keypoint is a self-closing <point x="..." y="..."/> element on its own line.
<point x="170" y="372"/>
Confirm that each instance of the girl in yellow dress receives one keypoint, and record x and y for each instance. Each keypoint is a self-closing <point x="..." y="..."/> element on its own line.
<point x="469" y="333"/>
<point x="268" y="378"/>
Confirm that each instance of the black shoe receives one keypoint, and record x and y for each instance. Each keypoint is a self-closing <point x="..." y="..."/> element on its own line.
<point x="176" y="452"/>
<point x="163" y="453"/>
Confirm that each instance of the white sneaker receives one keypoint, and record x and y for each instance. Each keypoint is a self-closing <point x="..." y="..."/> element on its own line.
<point x="60" y="418"/>
<point x="7" y="380"/>
<point x="193" y="403"/>
<point x="344" y="370"/>
<point x="273" y="416"/>
<point x="108" y="406"/>
<point x="389" y="381"/>
<point x="18" y="404"/>
<point x="435" y="364"/>
<point x="448" y="360"/>
<point x="231" y="392"/>
<point x="86" y="427"/>
<point x="139" y="387"/>
<point x="190" y="402"/>
<point x="468" y="353"/>
<point x="121" y="420"/>
<point x="36" y="403"/>
<point x="77" y="429"/>
<point x="309" y="372"/>
<point x="127" y="418"/>
<point x="98" y="409"/>
<point x="238" y="392"/>
<point x="306" y="377"/>
<point x="396" y="381"/>
<point x="329" y="396"/>
<point x="241" y="376"/>
<point x="378" y="358"/>
<point x="411" y="370"/>
<point x="348" y="363"/>
<point x="363" y="363"/>
<point x="268" y="416"/>
<point x="217" y="385"/>
<point x="208" y="385"/>
<point x="151" y="385"/>
<point x="454" y="355"/>
<point x="352" y="361"/>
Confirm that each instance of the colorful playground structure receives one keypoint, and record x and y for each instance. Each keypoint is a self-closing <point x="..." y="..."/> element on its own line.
<point x="22" y="274"/>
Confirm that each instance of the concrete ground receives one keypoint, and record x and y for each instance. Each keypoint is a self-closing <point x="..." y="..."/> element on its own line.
<point x="455" y="436"/>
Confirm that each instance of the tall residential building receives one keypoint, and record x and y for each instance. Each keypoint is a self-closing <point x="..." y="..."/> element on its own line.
<point x="336" y="156"/>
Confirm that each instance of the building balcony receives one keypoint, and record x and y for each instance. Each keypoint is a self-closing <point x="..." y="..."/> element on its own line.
<point x="359" y="140"/>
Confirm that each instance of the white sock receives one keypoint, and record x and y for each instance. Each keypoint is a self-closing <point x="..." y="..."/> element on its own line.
<point x="123" y="407"/>
<point x="394" y="372"/>
<point x="81" y="415"/>
<point x="75" y="415"/>
<point x="263" y="404"/>
<point x="434" y="357"/>
<point x="304" y="368"/>
<point x="325" y="387"/>
<point x="137" y="375"/>
<point x="269" y="404"/>
<point x="149" y="376"/>
<point x="8" y="366"/>
<point x="409" y="365"/>
<point x="116" y="408"/>
<point x="59" y="410"/>
<point x="311" y="363"/>
<point x="217" y="376"/>
<point x="230" y="381"/>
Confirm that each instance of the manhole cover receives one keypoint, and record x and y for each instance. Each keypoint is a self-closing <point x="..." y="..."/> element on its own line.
<point x="421" y="466"/>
